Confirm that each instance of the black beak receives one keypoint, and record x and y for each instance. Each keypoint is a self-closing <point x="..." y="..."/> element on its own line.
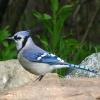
<point x="9" y="38"/>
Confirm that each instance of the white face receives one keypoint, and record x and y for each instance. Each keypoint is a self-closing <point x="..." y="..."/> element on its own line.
<point x="19" y="41"/>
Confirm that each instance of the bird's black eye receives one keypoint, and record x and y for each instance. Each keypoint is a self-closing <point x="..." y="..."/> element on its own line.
<point x="17" y="38"/>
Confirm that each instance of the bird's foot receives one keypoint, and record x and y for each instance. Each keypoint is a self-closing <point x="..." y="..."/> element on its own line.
<point x="39" y="78"/>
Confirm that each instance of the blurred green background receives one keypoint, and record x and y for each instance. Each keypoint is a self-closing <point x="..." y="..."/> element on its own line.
<point x="67" y="28"/>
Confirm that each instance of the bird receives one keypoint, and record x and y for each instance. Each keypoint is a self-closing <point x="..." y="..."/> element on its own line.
<point x="38" y="61"/>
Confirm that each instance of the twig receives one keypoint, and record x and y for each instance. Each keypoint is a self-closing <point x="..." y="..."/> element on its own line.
<point x="78" y="8"/>
<point x="87" y="30"/>
<point x="89" y="25"/>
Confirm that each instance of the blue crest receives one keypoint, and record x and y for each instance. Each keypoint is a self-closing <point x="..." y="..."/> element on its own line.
<point x="23" y="33"/>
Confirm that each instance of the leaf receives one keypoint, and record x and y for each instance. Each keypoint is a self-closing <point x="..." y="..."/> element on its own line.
<point x="65" y="10"/>
<point x="5" y="44"/>
<point x="45" y="43"/>
<point x="3" y="34"/>
<point x="72" y="43"/>
<point x="37" y="14"/>
<point x="54" y="5"/>
<point x="63" y="14"/>
<point x="46" y="16"/>
<point x="41" y="16"/>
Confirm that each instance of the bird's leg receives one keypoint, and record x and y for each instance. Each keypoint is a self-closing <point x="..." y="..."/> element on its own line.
<point x="39" y="78"/>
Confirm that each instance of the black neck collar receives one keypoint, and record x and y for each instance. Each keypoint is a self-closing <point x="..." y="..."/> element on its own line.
<point x="23" y="43"/>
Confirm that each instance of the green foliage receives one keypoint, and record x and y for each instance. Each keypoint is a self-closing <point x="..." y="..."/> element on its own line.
<point x="6" y="51"/>
<point x="53" y="40"/>
<point x="54" y="5"/>
<point x="54" y="23"/>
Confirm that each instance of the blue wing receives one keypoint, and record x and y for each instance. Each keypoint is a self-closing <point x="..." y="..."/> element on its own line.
<point x="44" y="57"/>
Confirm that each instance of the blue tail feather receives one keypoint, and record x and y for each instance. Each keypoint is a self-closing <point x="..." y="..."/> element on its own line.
<point x="86" y="68"/>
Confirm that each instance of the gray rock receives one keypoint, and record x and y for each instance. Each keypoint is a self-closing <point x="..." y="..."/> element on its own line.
<point x="53" y="88"/>
<point x="12" y="74"/>
<point x="93" y="61"/>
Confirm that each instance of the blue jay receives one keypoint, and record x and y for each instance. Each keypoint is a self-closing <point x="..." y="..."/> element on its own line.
<point x="36" y="60"/>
